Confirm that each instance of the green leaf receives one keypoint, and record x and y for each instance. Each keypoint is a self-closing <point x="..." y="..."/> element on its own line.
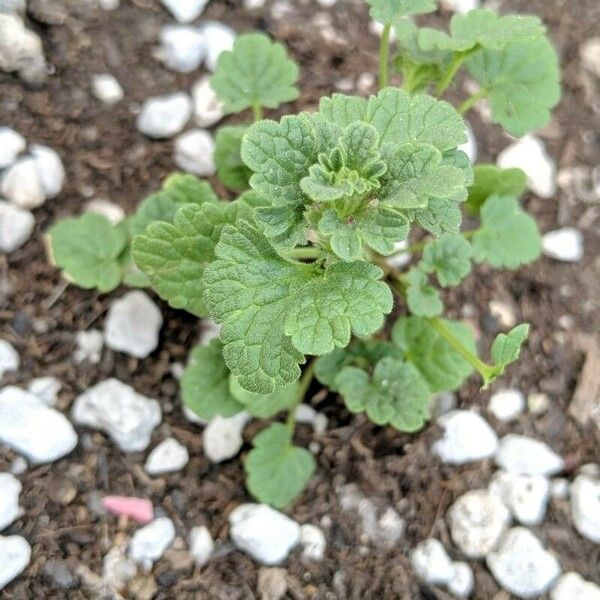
<point x="387" y="11"/>
<point x="507" y="347"/>
<point x="261" y="406"/>
<point x="508" y="236"/>
<point x="283" y="225"/>
<point x="231" y="170"/>
<point x="423" y="300"/>
<point x="440" y="217"/>
<point x="342" y="110"/>
<point x="87" y="249"/>
<point x="205" y="383"/>
<point x="277" y="470"/>
<point x="184" y="188"/>
<point x="395" y="393"/>
<point x="441" y="366"/>
<point x="522" y="81"/>
<point x="490" y="180"/>
<point x="344" y="236"/>
<point x="256" y="72"/>
<point x="158" y="207"/>
<point x="449" y="257"/>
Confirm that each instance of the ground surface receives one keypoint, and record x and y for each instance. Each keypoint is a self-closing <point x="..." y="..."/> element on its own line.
<point x="105" y="156"/>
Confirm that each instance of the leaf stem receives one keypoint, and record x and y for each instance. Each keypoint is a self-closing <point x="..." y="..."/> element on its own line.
<point x="257" y="111"/>
<point x="455" y="64"/>
<point x="384" y="49"/>
<point x="305" y="252"/>
<point x="305" y="380"/>
<point x="472" y="101"/>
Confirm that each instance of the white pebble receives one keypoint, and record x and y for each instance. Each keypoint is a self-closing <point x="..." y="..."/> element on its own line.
<point x="117" y="569"/>
<point x="442" y="403"/>
<point x="305" y="414"/>
<point x="585" y="506"/>
<point x="218" y="39"/>
<point x="117" y="409"/>
<point x="590" y="55"/>
<point x="264" y="533"/>
<point x="89" y="346"/>
<point x="201" y="545"/>
<point x="504" y="313"/>
<point x="13" y="6"/>
<point x="222" y="437"/>
<point x="507" y="405"/>
<point x="194" y="152"/>
<point x="564" y="244"/>
<point x="15" y="554"/>
<point x="538" y="403"/>
<point x="460" y="6"/>
<point x="18" y="465"/>
<point x="164" y="116"/>
<point x="21" y="50"/>
<point x="111" y="211"/>
<point x="181" y="49"/>
<point x="254" y="4"/>
<point x="169" y="456"/>
<point x="109" y="4"/>
<point x="16" y="226"/>
<point x="11" y="145"/>
<point x="559" y="488"/>
<point x="313" y="542"/>
<point x="470" y="146"/>
<point x="185" y="11"/>
<point x="461" y="584"/>
<point x="22" y="184"/>
<point x="571" y="586"/>
<point x="149" y="543"/>
<point x="9" y="357"/>
<point x="524" y="455"/>
<point x="431" y="562"/>
<point x="45" y="388"/>
<point x="106" y="88"/>
<point x="10" y="488"/>
<point x="208" y="109"/>
<point x="50" y="169"/>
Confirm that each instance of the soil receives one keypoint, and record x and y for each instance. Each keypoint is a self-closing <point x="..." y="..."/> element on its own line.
<point x="106" y="157"/>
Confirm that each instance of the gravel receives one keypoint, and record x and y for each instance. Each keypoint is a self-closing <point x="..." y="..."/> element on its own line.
<point x="15" y="554"/>
<point x="9" y="357"/>
<point x="218" y="38"/>
<point x="208" y="109"/>
<point x="564" y="244"/>
<point x="50" y="169"/>
<point x="182" y="48"/>
<point x="507" y="405"/>
<point x="185" y="11"/>
<point x="585" y="506"/>
<point x="313" y="542"/>
<point x="193" y="152"/>
<point x="21" y="50"/>
<point x="21" y="183"/>
<point x="106" y="88"/>
<point x="222" y="437"/>
<point x="168" y="457"/>
<point x="45" y="388"/>
<point x="571" y="586"/>
<point x="431" y="562"/>
<point x="10" y="488"/>
<point x="12" y="144"/>
<point x="164" y="116"/>
<point x="149" y="543"/>
<point x="201" y="545"/>
<point x="527" y="456"/>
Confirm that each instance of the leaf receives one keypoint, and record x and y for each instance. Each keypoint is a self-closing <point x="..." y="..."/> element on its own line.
<point x="449" y="257"/>
<point x="342" y="110"/>
<point x="256" y="71"/>
<point x="508" y="237"/>
<point x="522" y="81"/>
<point x="157" y="207"/>
<point x="344" y="236"/>
<point x="277" y="470"/>
<point x="261" y="406"/>
<point x="441" y="366"/>
<point x="507" y="347"/>
<point x="184" y="188"/>
<point x="423" y="300"/>
<point x="231" y="170"/>
<point x="387" y="11"/>
<point x="440" y="217"/>
<point x="396" y="393"/>
<point x="283" y="225"/>
<point x="205" y="383"/>
<point x="490" y="180"/>
<point x="87" y="249"/>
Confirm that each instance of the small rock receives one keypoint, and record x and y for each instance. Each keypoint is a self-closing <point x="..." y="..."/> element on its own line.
<point x="194" y="152"/>
<point x="201" y="545"/>
<point x="106" y="88"/>
<point x="117" y="409"/>
<point x="30" y="427"/>
<point x="504" y="313"/>
<point x="21" y="50"/>
<point x="442" y="403"/>
<point x="169" y="456"/>
<point x="21" y="183"/>
<point x="50" y="169"/>
<point x="60" y="575"/>
<point x="524" y="455"/>
<point x="18" y="465"/>
<point x="89" y="346"/>
<point x="61" y="489"/>
<point x="313" y="542"/>
<point x="109" y="4"/>
<point x="149" y="543"/>
<point x="529" y="153"/>
<point x="117" y="569"/>
<point x="564" y="244"/>
<point x="9" y="358"/>
<point x="507" y="405"/>
<point x="590" y="55"/>
<point x="254" y="4"/>
<point x="467" y="437"/>
<point x="571" y="586"/>
<point x="133" y="324"/>
<point x="272" y="583"/>
<point x="182" y="48"/>
<point x="537" y="403"/>
<point x="522" y="566"/>
<point x="401" y="256"/>
<point x="113" y="212"/>
<point x="143" y="587"/>
<point x="208" y="109"/>
<point x="470" y="146"/>
<point x="192" y="417"/>
<point x="13" y="6"/>
<point x="307" y="414"/>
<point x="222" y="437"/>
<point x="585" y="506"/>
<point x="461" y="584"/>
<point x="264" y="533"/>
<point x="11" y="145"/>
<point x="431" y="563"/>
<point x="10" y="488"/>
<point x="460" y="6"/>
<point x="185" y="11"/>
<point x="218" y="38"/>
<point x="46" y="389"/>
<point x="559" y="488"/>
<point x="164" y="116"/>
<point x="15" y="554"/>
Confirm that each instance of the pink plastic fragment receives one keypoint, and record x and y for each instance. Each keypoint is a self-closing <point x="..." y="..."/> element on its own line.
<point x="139" y="509"/>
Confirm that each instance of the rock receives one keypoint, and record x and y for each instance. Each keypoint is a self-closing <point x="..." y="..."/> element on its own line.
<point x="109" y="4"/>
<point x="442" y="403"/>
<point x="524" y="455"/>
<point x="89" y="346"/>
<point x="559" y="488"/>
<point x="571" y="586"/>
<point x="461" y="584"/>
<point x="504" y="313"/>
<point x="22" y="185"/>
<point x="185" y="11"/>
<point x="15" y="554"/>
<point x="470" y="146"/>
<point x="113" y="212"/>
<point x="590" y="55"/>
<point x="117" y="569"/>
<point x="222" y="437"/>
<point x="401" y="257"/>
<point x="529" y="153"/>
<point x="60" y="575"/>
<point x="313" y="542"/>
<point x="307" y="414"/>
<point x="30" y="427"/>
<point x="477" y="521"/>
<point x="10" y="488"/>
<point x="117" y="409"/>
<point x="133" y="324"/>
<point x="272" y="583"/>
<point x="585" y="506"/>
<point x="18" y="465"/>
<point x="164" y="116"/>
<point x="13" y="6"/>
<point x="526" y="496"/>
<point x="21" y="50"/>
<point x="564" y="244"/>
<point x="507" y="405"/>
<point x="9" y="358"/>
<point x="45" y="388"/>
<point x="218" y="38"/>
<point x="538" y="404"/>
<point x="106" y="88"/>
<point x="169" y="456"/>
<point x="208" y="109"/>
<point x="181" y="49"/>
<point x="431" y="562"/>
<point x="522" y="566"/>
<point x="254" y="4"/>
<point x="149" y="543"/>
<point x="194" y="152"/>
<point x="460" y="6"/>
<point x="264" y="533"/>
<point x="201" y="545"/>
<point x="50" y="169"/>
<point x="467" y="437"/>
<point x="11" y="145"/>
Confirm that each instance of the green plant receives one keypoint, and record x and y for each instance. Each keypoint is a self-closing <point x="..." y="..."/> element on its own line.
<point x="297" y="266"/>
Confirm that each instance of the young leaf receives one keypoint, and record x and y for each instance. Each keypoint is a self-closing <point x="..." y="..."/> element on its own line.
<point x="257" y="72"/>
<point x="283" y="225"/>
<point x="264" y="407"/>
<point x="184" y="188"/>
<point x="508" y="236"/>
<point x="423" y="300"/>
<point x="449" y="257"/>
<point x="341" y="110"/>
<point x="387" y="11"/>
<point x="277" y="470"/>
<point x="507" y="347"/>
<point x="88" y="250"/>
<point x="440" y="217"/>
<point x="490" y="180"/>
<point x="231" y="170"/>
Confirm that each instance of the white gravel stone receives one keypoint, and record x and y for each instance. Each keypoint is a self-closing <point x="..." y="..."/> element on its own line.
<point x="21" y="50"/>
<point x="18" y="465"/>
<point x="185" y="11"/>
<point x="164" y="116"/>
<point x="527" y="456"/>
<point x="218" y="38"/>
<point x="117" y="568"/>
<point x="9" y="357"/>
<point x="106" y="88"/>
<point x="11" y="145"/>
<point x="10" y="488"/>
<point x="477" y="521"/>
<point x="461" y="584"/>
<point x="560" y="488"/>
<point x="564" y="244"/>
<point x="13" y="6"/>
<point x="133" y="324"/>
<point x="45" y="388"/>
<point x="15" y="554"/>
<point x="16" y="226"/>
<point x="264" y="533"/>
<point x="529" y="153"/>
<point x="400" y="258"/>
<point x="182" y="48"/>
<point x="111" y="211"/>
<point x="22" y="184"/>
<point x="442" y="403"/>
<point x="467" y="437"/>
<point x="89" y="346"/>
<point x="460" y="6"/>
<point x="585" y="506"/>
<point x="50" y="169"/>
<point x="507" y="405"/>
<point x="194" y="152"/>
<point x="30" y="427"/>
<point x="201" y="545"/>
<point x="208" y="109"/>
<point x="504" y="313"/>
<point x="522" y="566"/>
<point x="117" y="409"/>
<point x="470" y="146"/>
<point x="590" y="55"/>
<point x="149" y="543"/>
<point x="571" y="586"/>
<point x="222" y="437"/>
<point x="313" y="542"/>
<point x="109" y="4"/>
<point x="431" y="562"/>
<point x="538" y="403"/>
<point x="169" y="456"/>
<point x="254" y="4"/>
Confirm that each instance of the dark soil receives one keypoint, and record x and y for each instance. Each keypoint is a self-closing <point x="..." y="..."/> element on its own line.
<point x="106" y="157"/>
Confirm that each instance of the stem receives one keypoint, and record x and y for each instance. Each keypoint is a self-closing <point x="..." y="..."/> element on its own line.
<point x="472" y="101"/>
<point x="257" y="111"/>
<point x="305" y="380"/>
<point x="451" y="71"/>
<point x="305" y="252"/>
<point x="384" y="49"/>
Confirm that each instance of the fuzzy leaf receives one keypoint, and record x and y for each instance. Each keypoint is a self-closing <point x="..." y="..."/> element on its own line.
<point x="507" y="347"/>
<point x="342" y="110"/>
<point x="184" y="188"/>
<point x="231" y="170"/>
<point x="387" y="11"/>
<point x="283" y="225"/>
<point x="264" y="407"/>
<point x="490" y="180"/>
<point x="449" y="257"/>
<point x="423" y="300"/>
<point x="440" y="217"/>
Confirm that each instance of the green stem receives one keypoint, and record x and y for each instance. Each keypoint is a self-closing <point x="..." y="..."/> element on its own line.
<point x="384" y="49"/>
<point x="257" y="111"/>
<point x="305" y="252"/>
<point x="472" y="101"/>
<point x="305" y="380"/>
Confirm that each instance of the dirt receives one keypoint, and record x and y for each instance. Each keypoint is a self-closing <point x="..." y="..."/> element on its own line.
<point x="106" y="157"/>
